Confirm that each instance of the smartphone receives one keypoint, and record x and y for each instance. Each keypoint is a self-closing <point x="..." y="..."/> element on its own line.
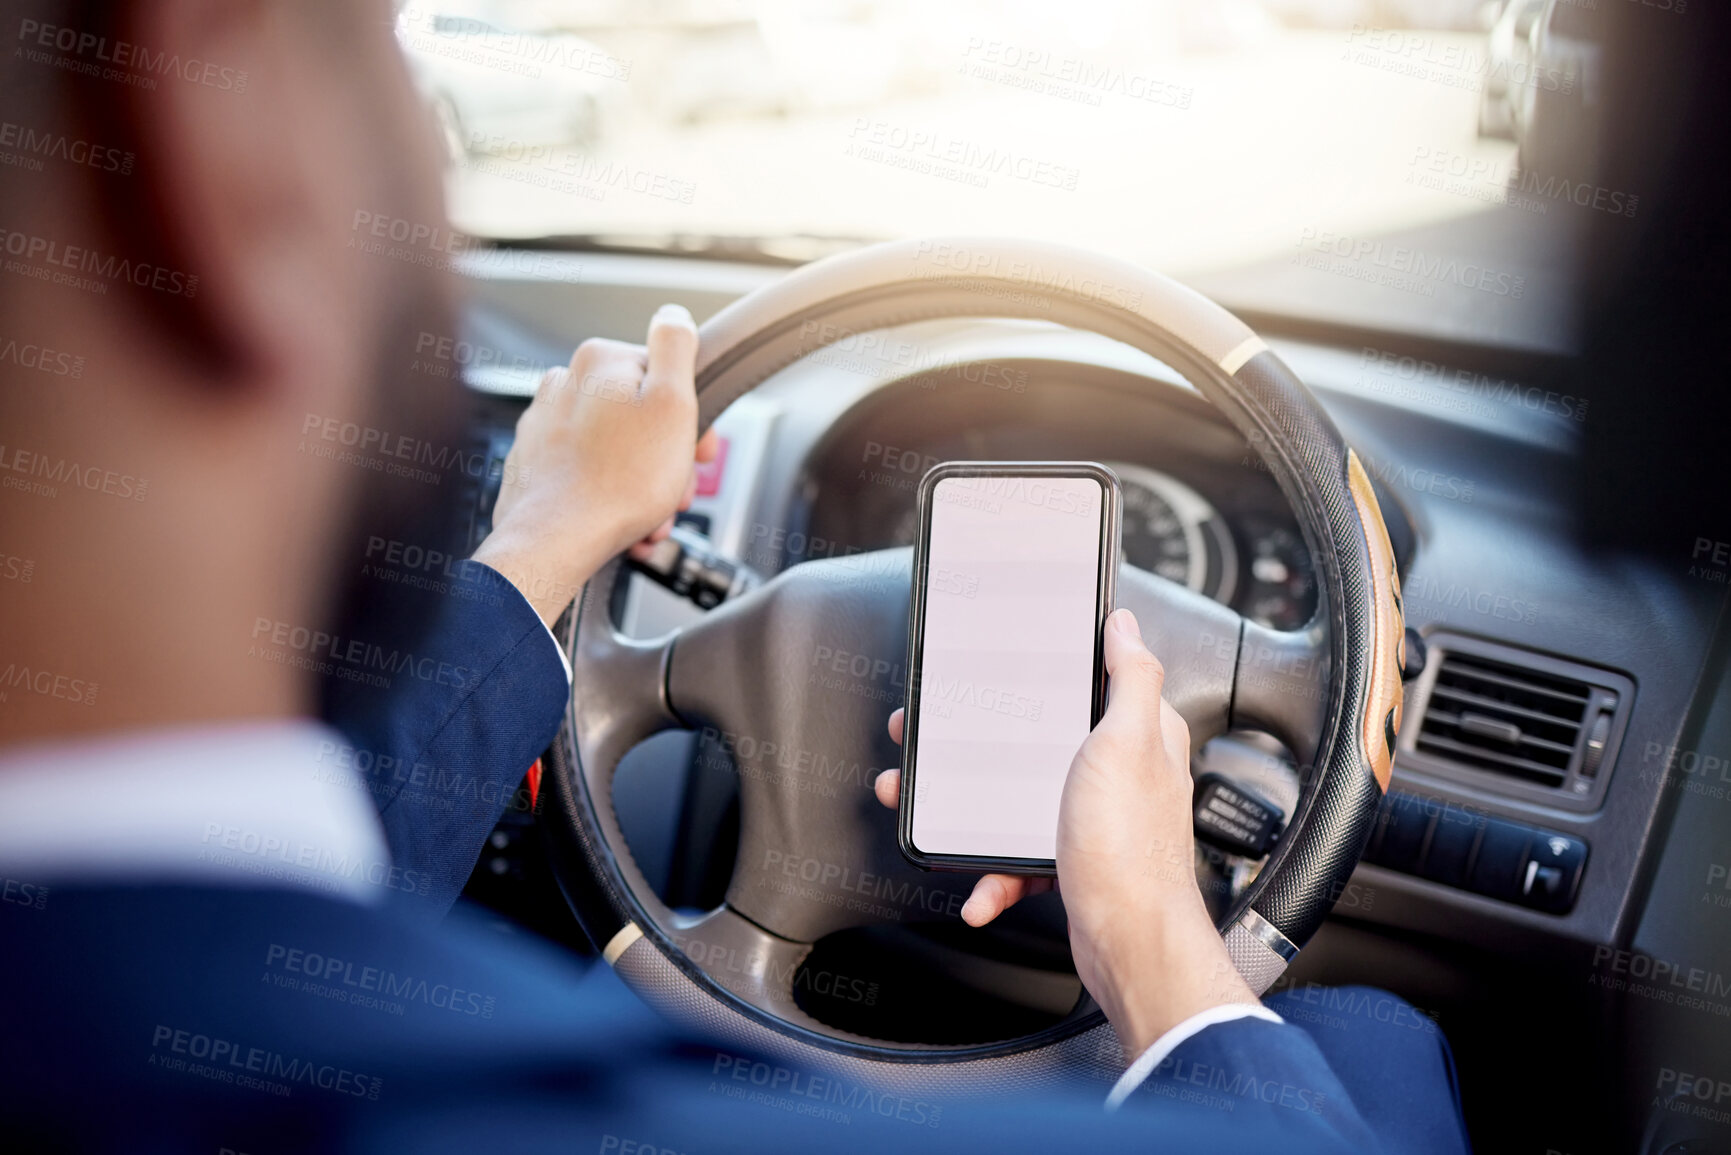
<point x="1015" y="570"/>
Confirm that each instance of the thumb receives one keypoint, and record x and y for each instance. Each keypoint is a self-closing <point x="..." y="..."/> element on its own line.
<point x="1137" y="677"/>
<point x="672" y="347"/>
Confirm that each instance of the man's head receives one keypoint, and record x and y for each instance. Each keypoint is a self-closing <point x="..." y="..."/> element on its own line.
<point x="222" y="242"/>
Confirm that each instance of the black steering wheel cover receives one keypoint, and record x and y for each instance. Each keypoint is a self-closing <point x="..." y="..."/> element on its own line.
<point x="1325" y="839"/>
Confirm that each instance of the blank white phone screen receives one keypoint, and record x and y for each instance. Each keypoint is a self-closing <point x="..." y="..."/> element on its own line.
<point x="1007" y="661"/>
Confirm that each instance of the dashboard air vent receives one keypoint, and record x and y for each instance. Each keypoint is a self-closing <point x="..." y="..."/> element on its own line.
<point x="1525" y="720"/>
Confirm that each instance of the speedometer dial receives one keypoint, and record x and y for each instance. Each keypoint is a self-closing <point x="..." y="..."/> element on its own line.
<point x="1155" y="539"/>
<point x="1281" y="592"/>
<point x="1172" y="531"/>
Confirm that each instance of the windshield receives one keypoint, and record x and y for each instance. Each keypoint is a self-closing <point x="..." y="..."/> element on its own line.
<point x="1368" y="164"/>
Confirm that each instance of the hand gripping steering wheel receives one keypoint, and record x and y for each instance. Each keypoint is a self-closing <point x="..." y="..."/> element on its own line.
<point x="1331" y="692"/>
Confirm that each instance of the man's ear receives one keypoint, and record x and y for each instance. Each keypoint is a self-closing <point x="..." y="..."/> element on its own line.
<point x="249" y="169"/>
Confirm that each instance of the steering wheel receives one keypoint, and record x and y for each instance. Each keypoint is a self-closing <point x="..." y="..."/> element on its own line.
<point x="812" y="862"/>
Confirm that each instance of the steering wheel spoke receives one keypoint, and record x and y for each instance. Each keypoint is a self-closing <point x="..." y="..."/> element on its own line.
<point x="1196" y="640"/>
<point x="618" y="685"/>
<point x="1282" y="685"/>
<point x="749" y="962"/>
<point x="796" y="682"/>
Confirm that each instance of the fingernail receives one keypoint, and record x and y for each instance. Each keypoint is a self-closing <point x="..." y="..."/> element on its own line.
<point x="974" y="905"/>
<point x="1125" y="623"/>
<point x="675" y="315"/>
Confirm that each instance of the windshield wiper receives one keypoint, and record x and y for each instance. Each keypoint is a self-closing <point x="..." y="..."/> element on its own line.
<point x="786" y="249"/>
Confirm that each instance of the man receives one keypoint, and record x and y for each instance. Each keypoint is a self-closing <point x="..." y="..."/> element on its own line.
<point x="213" y="938"/>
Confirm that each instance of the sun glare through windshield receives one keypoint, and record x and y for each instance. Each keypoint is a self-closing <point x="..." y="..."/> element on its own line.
<point x="1412" y="164"/>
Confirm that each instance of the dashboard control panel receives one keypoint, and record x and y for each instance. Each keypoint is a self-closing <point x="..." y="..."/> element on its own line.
<point x="1469" y="850"/>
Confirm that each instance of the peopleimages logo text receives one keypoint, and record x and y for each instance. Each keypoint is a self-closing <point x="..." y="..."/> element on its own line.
<point x="58" y="146"/>
<point x="361" y="654"/>
<point x="414" y="451"/>
<point x="1422" y="267"/>
<point x="124" y="54"/>
<point x="46" y="472"/>
<point x="941" y="260"/>
<point x="228" y="1059"/>
<point x="47" y="684"/>
<point x="378" y="980"/>
<point x="28" y="247"/>
<point x="798" y="1085"/>
<point x="41" y="358"/>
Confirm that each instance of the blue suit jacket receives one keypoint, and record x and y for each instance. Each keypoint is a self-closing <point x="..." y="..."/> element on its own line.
<point x="444" y="756"/>
<point x="185" y="1018"/>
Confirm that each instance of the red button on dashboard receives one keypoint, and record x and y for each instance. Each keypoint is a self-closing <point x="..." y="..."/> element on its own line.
<point x="709" y="475"/>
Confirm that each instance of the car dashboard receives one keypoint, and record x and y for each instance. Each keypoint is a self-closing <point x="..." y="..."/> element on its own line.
<point x="1601" y="664"/>
<point x="1198" y="506"/>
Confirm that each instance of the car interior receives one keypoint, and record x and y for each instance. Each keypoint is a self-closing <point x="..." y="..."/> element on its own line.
<point x="1423" y="248"/>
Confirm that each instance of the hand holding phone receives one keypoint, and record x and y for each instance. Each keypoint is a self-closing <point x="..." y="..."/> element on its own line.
<point x="1142" y="939"/>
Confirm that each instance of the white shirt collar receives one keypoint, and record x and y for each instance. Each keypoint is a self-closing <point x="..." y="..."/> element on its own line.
<point x="258" y="804"/>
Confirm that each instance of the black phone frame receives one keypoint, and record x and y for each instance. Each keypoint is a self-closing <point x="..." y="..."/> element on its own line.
<point x="1106" y="585"/>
